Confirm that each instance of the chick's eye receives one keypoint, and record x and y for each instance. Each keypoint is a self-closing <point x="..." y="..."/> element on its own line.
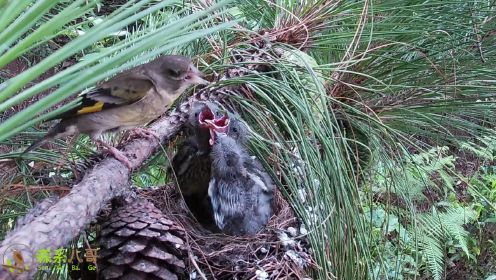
<point x="234" y="129"/>
<point x="173" y="72"/>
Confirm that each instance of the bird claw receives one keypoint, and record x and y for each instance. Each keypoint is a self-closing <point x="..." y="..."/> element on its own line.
<point x="146" y="133"/>
<point x="120" y="157"/>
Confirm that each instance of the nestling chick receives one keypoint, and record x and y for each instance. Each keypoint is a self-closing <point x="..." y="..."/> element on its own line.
<point x="129" y="100"/>
<point x="240" y="190"/>
<point x="191" y="164"/>
<point x="237" y="129"/>
<point x="231" y="125"/>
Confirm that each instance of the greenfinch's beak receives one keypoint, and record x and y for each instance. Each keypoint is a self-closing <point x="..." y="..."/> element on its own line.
<point x="195" y="76"/>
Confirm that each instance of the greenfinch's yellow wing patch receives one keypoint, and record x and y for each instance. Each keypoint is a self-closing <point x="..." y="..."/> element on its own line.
<point x="120" y="91"/>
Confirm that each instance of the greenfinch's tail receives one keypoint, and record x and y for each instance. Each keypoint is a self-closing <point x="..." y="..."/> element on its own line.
<point x="37" y="143"/>
<point x="53" y="133"/>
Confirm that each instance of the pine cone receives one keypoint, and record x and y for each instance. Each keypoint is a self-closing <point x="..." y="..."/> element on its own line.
<point x="139" y="242"/>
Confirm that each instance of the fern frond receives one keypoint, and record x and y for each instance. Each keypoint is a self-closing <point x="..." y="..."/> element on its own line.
<point x="433" y="253"/>
<point x="452" y="221"/>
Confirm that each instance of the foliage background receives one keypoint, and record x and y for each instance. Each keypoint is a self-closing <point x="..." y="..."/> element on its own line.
<point x="382" y="113"/>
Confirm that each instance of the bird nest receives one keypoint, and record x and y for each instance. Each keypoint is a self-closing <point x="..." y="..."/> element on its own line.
<point x="280" y="251"/>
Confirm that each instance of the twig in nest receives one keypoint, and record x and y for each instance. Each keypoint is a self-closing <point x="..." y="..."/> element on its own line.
<point x="193" y="261"/>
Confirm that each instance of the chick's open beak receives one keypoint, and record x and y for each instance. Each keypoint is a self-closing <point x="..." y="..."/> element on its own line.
<point x="219" y="125"/>
<point x="205" y="115"/>
<point x="216" y="126"/>
<point x="195" y="76"/>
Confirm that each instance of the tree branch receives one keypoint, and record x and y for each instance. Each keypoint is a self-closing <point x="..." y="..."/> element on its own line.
<point x="109" y="178"/>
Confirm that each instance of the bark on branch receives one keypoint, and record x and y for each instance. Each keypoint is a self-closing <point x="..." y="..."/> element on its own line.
<point x="109" y="178"/>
